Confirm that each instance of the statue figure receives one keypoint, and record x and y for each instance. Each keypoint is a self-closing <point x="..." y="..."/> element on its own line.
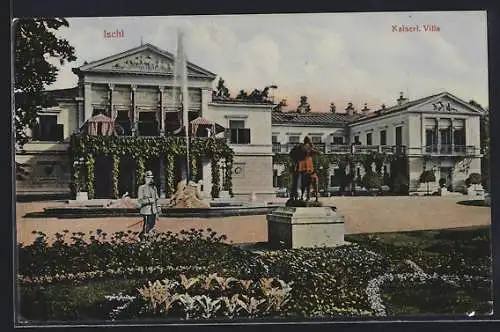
<point x="187" y="195"/>
<point x="302" y="156"/>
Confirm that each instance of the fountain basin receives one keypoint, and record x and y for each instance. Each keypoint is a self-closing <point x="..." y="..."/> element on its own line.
<point x="104" y="212"/>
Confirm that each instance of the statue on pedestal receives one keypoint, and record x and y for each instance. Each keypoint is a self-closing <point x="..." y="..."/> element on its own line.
<point x="303" y="171"/>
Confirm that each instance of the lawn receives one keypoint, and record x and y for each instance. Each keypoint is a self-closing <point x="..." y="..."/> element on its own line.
<point x="195" y="275"/>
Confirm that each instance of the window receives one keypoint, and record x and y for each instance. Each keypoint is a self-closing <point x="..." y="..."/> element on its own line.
<point x="275" y="139"/>
<point x="383" y="137"/>
<point x="316" y="139"/>
<point x="459" y="137"/>
<point x="337" y="140"/>
<point x="294" y="139"/>
<point x="369" y="139"/>
<point x="148" y="125"/>
<point x="48" y="129"/>
<point x="431" y="140"/>
<point x="99" y="110"/>
<point x="399" y="136"/>
<point x="122" y="124"/>
<point x="238" y="134"/>
<point x="356" y="140"/>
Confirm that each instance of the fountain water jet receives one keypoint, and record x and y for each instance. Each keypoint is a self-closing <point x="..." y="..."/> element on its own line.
<point x="181" y="90"/>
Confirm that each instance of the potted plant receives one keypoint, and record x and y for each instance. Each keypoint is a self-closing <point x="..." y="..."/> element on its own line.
<point x="475" y="187"/>
<point x="427" y="177"/>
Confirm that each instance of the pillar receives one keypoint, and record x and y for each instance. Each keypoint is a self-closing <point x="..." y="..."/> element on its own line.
<point x="423" y="134"/>
<point x="206" y="97"/>
<point x="134" y="112"/>
<point x="88" y="101"/>
<point x="112" y="111"/>
<point x="438" y="136"/>
<point x="452" y="136"/>
<point x="161" y="90"/>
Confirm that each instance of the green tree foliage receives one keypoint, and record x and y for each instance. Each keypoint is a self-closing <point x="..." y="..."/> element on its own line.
<point x="36" y="42"/>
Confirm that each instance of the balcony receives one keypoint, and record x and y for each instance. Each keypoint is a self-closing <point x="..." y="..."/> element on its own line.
<point x="343" y="148"/>
<point x="450" y="150"/>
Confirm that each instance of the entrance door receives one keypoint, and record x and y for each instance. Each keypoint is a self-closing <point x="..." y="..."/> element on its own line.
<point x="126" y="178"/>
<point x="103" y="177"/>
<point x="446" y="174"/>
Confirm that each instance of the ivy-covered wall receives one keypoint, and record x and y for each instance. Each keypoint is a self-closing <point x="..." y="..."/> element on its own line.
<point x="141" y="149"/>
<point x="345" y="162"/>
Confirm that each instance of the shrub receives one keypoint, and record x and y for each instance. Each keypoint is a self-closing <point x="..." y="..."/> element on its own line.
<point x="371" y="180"/>
<point x="474" y="178"/>
<point x="400" y="184"/>
<point x="427" y="176"/>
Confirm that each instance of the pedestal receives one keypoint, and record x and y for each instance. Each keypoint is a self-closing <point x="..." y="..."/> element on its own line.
<point x="305" y="227"/>
<point x="82" y="196"/>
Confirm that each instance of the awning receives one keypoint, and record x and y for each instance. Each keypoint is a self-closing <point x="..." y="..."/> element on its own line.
<point x="215" y="128"/>
<point x="100" y="125"/>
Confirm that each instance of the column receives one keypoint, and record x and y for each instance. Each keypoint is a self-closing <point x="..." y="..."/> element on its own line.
<point x="112" y="111"/>
<point x="134" y="112"/>
<point x="206" y="97"/>
<point x="423" y="133"/>
<point x="452" y="136"/>
<point x="81" y="114"/>
<point x="161" y="89"/>
<point x="88" y="101"/>
<point x="438" y="135"/>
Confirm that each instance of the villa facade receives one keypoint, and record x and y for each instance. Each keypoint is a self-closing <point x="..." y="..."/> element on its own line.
<point x="439" y="132"/>
<point x="135" y="88"/>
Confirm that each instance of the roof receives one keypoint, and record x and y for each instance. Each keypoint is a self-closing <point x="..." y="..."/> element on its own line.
<point x="59" y="94"/>
<point x="229" y="100"/>
<point x="395" y="108"/>
<point x="91" y="66"/>
<point x="408" y="104"/>
<point x="311" y="118"/>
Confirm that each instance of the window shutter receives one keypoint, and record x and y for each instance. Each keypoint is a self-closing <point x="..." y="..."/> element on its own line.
<point x="245" y="136"/>
<point x="60" y="132"/>
<point x="234" y="136"/>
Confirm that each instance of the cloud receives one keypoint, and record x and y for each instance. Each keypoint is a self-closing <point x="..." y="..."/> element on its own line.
<point x="342" y="57"/>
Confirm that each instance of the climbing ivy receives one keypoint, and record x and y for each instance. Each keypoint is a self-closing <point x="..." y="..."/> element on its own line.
<point x="116" y="172"/>
<point x="90" y="175"/>
<point x="215" y="178"/>
<point x="142" y="149"/>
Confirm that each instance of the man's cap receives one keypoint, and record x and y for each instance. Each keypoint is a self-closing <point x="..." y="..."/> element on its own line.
<point x="149" y="174"/>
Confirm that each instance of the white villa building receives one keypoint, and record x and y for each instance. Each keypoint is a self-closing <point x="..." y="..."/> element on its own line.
<point x="439" y="132"/>
<point x="135" y="88"/>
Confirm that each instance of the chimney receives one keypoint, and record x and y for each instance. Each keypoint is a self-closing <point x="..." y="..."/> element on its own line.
<point x="365" y="109"/>
<point x="350" y="109"/>
<point x="401" y="99"/>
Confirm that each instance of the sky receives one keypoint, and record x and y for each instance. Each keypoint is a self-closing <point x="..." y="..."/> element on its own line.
<point x="331" y="57"/>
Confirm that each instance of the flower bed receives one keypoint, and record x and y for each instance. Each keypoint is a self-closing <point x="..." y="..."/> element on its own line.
<point x="195" y="275"/>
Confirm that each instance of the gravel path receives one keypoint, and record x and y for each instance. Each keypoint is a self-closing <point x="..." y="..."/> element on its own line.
<point x="362" y="214"/>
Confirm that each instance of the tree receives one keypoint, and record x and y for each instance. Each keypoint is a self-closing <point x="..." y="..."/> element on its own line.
<point x="279" y="107"/>
<point x="35" y="41"/>
<point x="427" y="177"/>
<point x="242" y="95"/>
<point x="303" y="106"/>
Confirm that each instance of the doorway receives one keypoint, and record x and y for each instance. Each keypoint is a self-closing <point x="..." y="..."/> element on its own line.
<point x="103" y="180"/>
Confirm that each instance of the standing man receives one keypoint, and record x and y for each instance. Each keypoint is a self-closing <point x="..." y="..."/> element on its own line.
<point x="147" y="200"/>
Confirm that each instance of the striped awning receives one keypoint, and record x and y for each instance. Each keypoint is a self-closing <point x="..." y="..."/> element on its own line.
<point x="215" y="128"/>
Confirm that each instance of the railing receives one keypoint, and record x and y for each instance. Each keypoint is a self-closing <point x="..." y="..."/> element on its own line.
<point x="448" y="149"/>
<point x="343" y="148"/>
